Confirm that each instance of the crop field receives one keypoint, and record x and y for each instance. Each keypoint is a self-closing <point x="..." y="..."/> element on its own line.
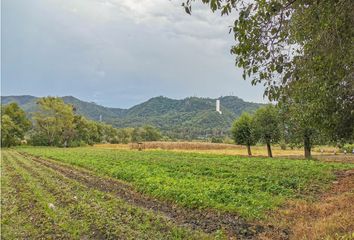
<point x="40" y="203"/>
<point x="95" y="193"/>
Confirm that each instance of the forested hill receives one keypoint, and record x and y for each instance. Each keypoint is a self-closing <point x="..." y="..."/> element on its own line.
<point x="191" y="117"/>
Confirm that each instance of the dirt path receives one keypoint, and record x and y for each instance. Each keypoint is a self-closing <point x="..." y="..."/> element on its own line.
<point x="207" y="220"/>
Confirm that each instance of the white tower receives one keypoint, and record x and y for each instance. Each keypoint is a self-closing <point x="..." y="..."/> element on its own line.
<point x="218" y="106"/>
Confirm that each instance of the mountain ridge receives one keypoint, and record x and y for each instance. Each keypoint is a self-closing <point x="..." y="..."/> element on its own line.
<point x="194" y="117"/>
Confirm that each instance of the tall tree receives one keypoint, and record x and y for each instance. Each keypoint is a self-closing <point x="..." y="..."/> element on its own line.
<point x="266" y="120"/>
<point x="54" y="121"/>
<point x="14" y="125"/>
<point x="280" y="42"/>
<point x="243" y="131"/>
<point x="151" y="133"/>
<point x="299" y="110"/>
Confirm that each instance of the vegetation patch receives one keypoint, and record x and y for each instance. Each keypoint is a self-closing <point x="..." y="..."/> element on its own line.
<point x="37" y="202"/>
<point x="246" y="186"/>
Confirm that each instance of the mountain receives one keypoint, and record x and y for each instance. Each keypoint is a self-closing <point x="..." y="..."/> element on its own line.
<point x="192" y="117"/>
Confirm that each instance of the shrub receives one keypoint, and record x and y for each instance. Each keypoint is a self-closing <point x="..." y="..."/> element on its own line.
<point x="348" y="147"/>
<point x="216" y="140"/>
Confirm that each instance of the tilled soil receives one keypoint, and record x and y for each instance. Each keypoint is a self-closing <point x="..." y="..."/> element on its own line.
<point x="40" y="203"/>
<point x="208" y="220"/>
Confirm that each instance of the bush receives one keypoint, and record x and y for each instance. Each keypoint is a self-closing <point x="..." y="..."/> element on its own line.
<point x="216" y="140"/>
<point x="282" y="145"/>
<point x="77" y="143"/>
<point x="348" y="147"/>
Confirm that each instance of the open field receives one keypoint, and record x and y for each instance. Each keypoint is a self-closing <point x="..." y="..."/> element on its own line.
<point x="41" y="203"/>
<point x="222" y="149"/>
<point x="105" y="193"/>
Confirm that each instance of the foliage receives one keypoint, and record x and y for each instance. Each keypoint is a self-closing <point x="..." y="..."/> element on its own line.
<point x="56" y="124"/>
<point x="14" y="125"/>
<point x="8" y="132"/>
<point x="248" y="186"/>
<point x="286" y="44"/>
<point x="348" y="147"/>
<point x="266" y="121"/>
<point x="146" y="133"/>
<point x="300" y="125"/>
<point x="217" y="140"/>
<point x="243" y="131"/>
<point x="54" y="121"/>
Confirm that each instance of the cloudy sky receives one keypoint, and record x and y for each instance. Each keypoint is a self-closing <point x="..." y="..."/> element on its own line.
<point x="118" y="52"/>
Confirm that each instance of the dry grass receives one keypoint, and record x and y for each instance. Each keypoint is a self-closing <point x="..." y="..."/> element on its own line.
<point x="188" y="146"/>
<point x="220" y="148"/>
<point x="330" y="217"/>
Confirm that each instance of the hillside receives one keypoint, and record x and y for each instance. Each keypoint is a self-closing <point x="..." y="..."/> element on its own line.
<point x="191" y="117"/>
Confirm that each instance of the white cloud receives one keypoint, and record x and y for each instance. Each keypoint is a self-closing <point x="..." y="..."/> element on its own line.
<point x="138" y="49"/>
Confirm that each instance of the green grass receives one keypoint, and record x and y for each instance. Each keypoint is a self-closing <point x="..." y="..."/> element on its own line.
<point x="28" y="189"/>
<point x="247" y="186"/>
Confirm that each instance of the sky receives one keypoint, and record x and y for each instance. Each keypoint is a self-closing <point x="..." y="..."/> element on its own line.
<point x="118" y="53"/>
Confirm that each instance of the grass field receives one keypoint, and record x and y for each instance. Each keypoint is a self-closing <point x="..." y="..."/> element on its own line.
<point x="155" y="194"/>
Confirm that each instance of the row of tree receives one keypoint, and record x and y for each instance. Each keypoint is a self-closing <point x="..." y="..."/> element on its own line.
<point x="56" y="124"/>
<point x="284" y="124"/>
<point x="302" y="52"/>
<point x="263" y="126"/>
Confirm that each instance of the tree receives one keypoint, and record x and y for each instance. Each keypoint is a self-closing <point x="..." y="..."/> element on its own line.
<point x="8" y="132"/>
<point x="243" y="131"/>
<point x="14" y="125"/>
<point x="281" y="42"/>
<point x="266" y="121"/>
<point x="54" y="121"/>
<point x="85" y="130"/>
<point x="146" y="133"/>
<point x="123" y="136"/>
<point x="137" y="134"/>
<point x="299" y="113"/>
<point x="150" y="133"/>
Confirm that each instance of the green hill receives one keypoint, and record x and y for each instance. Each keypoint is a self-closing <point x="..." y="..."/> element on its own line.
<point x="191" y="117"/>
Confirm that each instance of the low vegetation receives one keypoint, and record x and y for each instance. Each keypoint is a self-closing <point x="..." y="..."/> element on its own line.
<point x="247" y="186"/>
<point x="39" y="203"/>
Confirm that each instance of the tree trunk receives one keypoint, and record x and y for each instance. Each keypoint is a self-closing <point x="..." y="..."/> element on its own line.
<point x="307" y="146"/>
<point x="249" y="150"/>
<point x="269" y="149"/>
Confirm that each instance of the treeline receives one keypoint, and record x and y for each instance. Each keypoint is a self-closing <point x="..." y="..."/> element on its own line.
<point x="284" y="125"/>
<point x="57" y="124"/>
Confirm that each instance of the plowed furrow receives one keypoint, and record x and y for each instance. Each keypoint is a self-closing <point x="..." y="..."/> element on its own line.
<point x="89" y="213"/>
<point x="207" y="220"/>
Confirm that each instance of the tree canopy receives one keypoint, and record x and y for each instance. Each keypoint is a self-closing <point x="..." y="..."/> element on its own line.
<point x="243" y="131"/>
<point x="281" y="43"/>
<point x="266" y="121"/>
<point x="14" y="125"/>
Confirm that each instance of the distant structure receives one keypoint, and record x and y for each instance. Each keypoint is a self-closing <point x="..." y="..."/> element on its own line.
<point x="218" y="106"/>
<point x="100" y="118"/>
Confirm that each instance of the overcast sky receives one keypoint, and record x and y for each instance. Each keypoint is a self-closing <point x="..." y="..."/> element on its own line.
<point x="118" y="52"/>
